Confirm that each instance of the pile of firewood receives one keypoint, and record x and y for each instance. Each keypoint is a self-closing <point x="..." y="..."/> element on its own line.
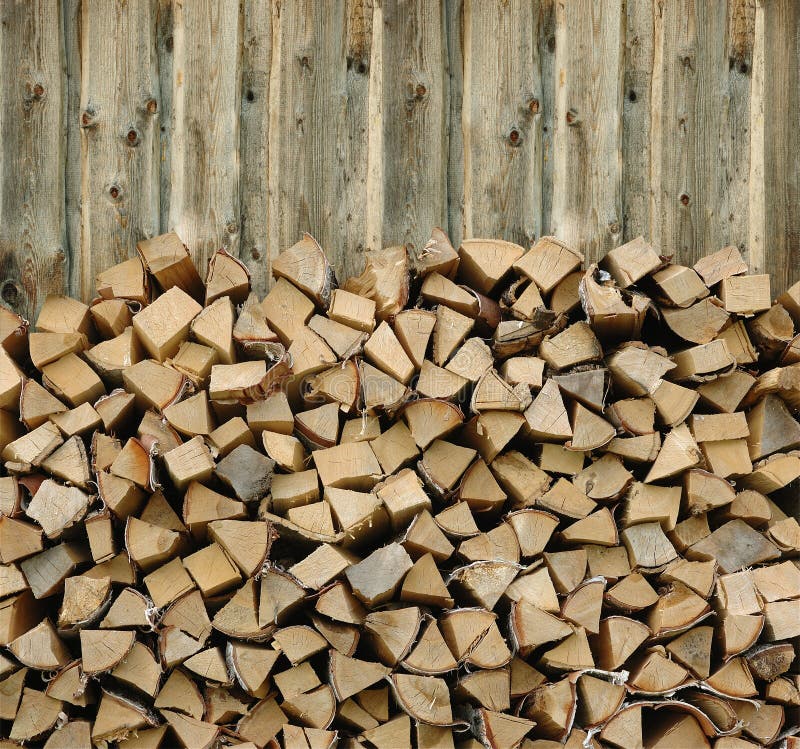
<point x="469" y="498"/>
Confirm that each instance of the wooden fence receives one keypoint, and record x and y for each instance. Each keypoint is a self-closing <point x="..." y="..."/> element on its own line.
<point x="242" y="123"/>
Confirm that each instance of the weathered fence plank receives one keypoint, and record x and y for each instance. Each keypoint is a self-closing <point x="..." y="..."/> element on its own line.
<point x="32" y="231"/>
<point x="204" y="159"/>
<point x="119" y="127"/>
<point x="700" y="127"/>
<point x="501" y="121"/>
<point x="587" y="142"/>
<point x="367" y="122"/>
<point x="254" y="140"/>
<point x="781" y="99"/>
<point x="315" y="151"/>
<point x="637" y="199"/>
<point x="415" y="120"/>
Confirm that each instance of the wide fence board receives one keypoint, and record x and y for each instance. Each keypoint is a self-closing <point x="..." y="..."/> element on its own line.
<point x="368" y="122"/>
<point x="32" y="153"/>
<point x="501" y="121"/>
<point x="119" y="127"/>
<point x="204" y="159"/>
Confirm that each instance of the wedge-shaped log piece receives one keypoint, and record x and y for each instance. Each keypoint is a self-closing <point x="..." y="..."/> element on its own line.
<point x="692" y="649"/>
<point x="133" y="463"/>
<point x="746" y="295"/>
<point x="483" y="583"/>
<point x="41" y="648"/>
<point x="34" y="447"/>
<point x="676" y="610"/>
<point x="280" y="594"/>
<point x="521" y="479"/>
<point x="484" y="262"/>
<point x="576" y="345"/>
<point x="699" y="323"/>
<point x="548" y="262"/>
<point x="733" y="546"/>
<point x="111" y="317"/>
<point x="424" y="698"/>
<point x="547" y="416"/>
<point x="772" y="428"/>
<point x="14" y="333"/>
<point x="647" y="545"/>
<point x="350" y="675"/>
<point x="498" y="730"/>
<point x="262" y="723"/>
<point x="168" y="583"/>
<point x="46" y="348"/>
<point x="734" y="679"/>
<point x="449" y="333"/>
<point x="725" y="263"/>
<point x="164" y="324"/>
<point x="379" y="390"/>
<point x="189" y="462"/>
<point x="154" y="385"/>
<point x="376" y="579"/>
<point x="392" y="632"/>
<point x="102" y="650"/>
<point x="707" y="361"/>
<point x="245" y="542"/>
<point x="385" y="351"/>
<point x="321" y="566"/>
<point x="61" y="314"/>
<point x="56" y="507"/>
<point x="350" y="466"/>
<point x="36" y="716"/>
<point x="571" y="654"/>
<point x="213" y="327"/>
<point x="167" y="258"/>
<point x="493" y="393"/>
<point x="532" y="627"/>
<point x="630" y="262"/>
<point x="192" y="732"/>
<point x="636" y="370"/>
<point x="47" y="571"/>
<point x="413" y="328"/>
<point x="227" y="276"/>
<point x="384" y="280"/>
<point x="552" y="706"/>
<point x="617" y="639"/>
<point x="394" y="734"/>
<point x="246" y="381"/>
<point x="678" y="452"/>
<point x="424" y="585"/>
<point x="360" y="515"/>
<point x="180" y="693"/>
<point x="443" y="464"/>
<point x="589" y="431"/>
<point x="247" y="472"/>
<point x="424" y="536"/>
<point x="307" y="267"/>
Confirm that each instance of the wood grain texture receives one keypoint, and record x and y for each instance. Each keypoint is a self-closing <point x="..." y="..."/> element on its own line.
<point x="782" y="142"/>
<point x="700" y="126"/>
<point x="368" y="122"/>
<point x="587" y="138"/>
<point x="119" y="125"/>
<point x="317" y="139"/>
<point x="204" y="159"/>
<point x="32" y="152"/>
<point x="415" y="120"/>
<point x="254" y="141"/>
<point x="501" y="121"/>
<point x="636" y="187"/>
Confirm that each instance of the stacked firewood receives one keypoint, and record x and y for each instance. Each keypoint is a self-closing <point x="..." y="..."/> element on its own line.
<point x="474" y="497"/>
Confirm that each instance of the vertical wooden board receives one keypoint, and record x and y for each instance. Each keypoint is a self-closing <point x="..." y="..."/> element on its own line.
<point x="781" y="100"/>
<point x="72" y="166"/>
<point x="587" y="141"/>
<point x="32" y="150"/>
<point x="501" y="120"/>
<point x="319" y="88"/>
<point x="256" y="59"/>
<point x="165" y="46"/>
<point x="455" y="157"/>
<point x="547" y="62"/>
<point x="119" y="134"/>
<point x="204" y="152"/>
<point x="415" y="120"/>
<point x="700" y="126"/>
<point x="636" y="121"/>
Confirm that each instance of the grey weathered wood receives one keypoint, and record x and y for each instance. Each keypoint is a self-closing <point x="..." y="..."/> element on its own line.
<point x="455" y="157"/>
<point x="165" y="44"/>
<point x="204" y="159"/>
<point x="636" y="195"/>
<point x="414" y="120"/>
<point x="314" y="143"/>
<point x="119" y="126"/>
<point x="547" y="61"/>
<point x="32" y="230"/>
<point x="587" y="142"/>
<point x="73" y="161"/>
<point x="255" y="102"/>
<point x="501" y="121"/>
<point x="781" y="114"/>
<point x="700" y="126"/>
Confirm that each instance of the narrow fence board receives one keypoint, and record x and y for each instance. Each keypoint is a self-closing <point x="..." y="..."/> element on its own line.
<point x="547" y="61"/>
<point x="165" y="47"/>
<point x="501" y="121"/>
<point x="415" y="96"/>
<point x="73" y="163"/>
<point x="636" y="195"/>
<point x="782" y="142"/>
<point x="204" y="189"/>
<point x="254" y="143"/>
<point x="587" y="142"/>
<point x="32" y="230"/>
<point x="314" y="150"/>
<point x="455" y="157"/>
<point x="700" y="126"/>
<point x="119" y="126"/>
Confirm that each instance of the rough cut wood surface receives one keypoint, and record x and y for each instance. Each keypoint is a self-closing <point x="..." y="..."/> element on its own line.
<point x="241" y="125"/>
